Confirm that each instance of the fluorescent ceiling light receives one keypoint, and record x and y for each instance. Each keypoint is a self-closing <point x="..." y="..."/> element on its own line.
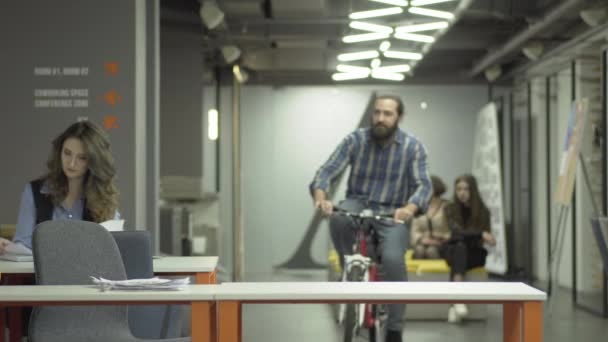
<point x="403" y="55"/>
<point x="212" y="123"/>
<point x="393" y="68"/>
<point x="385" y="45"/>
<point x="431" y="13"/>
<point x="360" y="25"/>
<point x="355" y="56"/>
<point x="352" y="69"/>
<point x="422" y="27"/>
<point x="343" y="76"/>
<point x="426" y="2"/>
<point x="388" y="76"/>
<point x="376" y="13"/>
<point x="415" y="37"/>
<point x="375" y="63"/>
<point x="393" y="2"/>
<point x="364" y="37"/>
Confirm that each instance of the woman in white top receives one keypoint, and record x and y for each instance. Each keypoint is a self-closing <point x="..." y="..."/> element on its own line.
<point x="431" y="231"/>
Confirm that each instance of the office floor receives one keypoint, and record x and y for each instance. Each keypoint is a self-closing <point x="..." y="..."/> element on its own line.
<point x="315" y="322"/>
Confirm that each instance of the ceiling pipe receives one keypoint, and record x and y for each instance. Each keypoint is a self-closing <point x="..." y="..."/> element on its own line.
<point x="590" y="36"/>
<point x="516" y="42"/>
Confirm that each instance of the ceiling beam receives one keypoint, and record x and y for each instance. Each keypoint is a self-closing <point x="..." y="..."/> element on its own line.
<point x="522" y="37"/>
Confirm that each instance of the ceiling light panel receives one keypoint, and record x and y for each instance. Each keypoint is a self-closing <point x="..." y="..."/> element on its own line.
<point x="427" y="2"/>
<point x="415" y="37"/>
<point x="431" y="13"/>
<point x="355" y="56"/>
<point x="376" y="13"/>
<point x="364" y="37"/>
<point x="403" y="55"/>
<point x="361" y="25"/>
<point x="438" y="25"/>
<point x="402" y="3"/>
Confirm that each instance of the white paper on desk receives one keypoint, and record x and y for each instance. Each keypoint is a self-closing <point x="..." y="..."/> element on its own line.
<point x="17" y="249"/>
<point x="113" y="225"/>
<point x="141" y="284"/>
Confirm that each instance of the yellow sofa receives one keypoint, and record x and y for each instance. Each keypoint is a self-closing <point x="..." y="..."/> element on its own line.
<point x="415" y="267"/>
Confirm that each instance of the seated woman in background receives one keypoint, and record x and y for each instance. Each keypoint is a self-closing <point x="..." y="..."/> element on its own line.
<point x="469" y="221"/>
<point x="431" y="231"/>
<point x="79" y="184"/>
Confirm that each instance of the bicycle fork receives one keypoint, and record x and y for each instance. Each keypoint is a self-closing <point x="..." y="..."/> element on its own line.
<point x="361" y="263"/>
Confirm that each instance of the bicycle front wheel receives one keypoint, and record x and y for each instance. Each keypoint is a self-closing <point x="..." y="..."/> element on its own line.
<point x="351" y="317"/>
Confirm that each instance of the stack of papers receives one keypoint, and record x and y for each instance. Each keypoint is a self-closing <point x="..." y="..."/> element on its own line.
<point x="17" y="252"/>
<point x="141" y="284"/>
<point x="114" y="225"/>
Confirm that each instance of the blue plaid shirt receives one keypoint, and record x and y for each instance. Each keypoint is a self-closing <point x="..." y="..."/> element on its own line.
<point x="385" y="177"/>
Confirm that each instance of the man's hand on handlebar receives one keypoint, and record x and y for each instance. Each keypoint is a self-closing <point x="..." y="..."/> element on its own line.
<point x="406" y="213"/>
<point x="325" y="206"/>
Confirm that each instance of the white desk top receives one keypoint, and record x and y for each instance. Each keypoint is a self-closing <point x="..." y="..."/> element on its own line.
<point x="381" y="291"/>
<point x="80" y="293"/>
<point x="171" y="264"/>
<point x="167" y="264"/>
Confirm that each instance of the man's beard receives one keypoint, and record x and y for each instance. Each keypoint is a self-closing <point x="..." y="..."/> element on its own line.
<point x="381" y="133"/>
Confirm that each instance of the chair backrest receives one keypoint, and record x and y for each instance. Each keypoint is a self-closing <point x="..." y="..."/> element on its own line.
<point x="146" y="321"/>
<point x="136" y="251"/>
<point x="67" y="252"/>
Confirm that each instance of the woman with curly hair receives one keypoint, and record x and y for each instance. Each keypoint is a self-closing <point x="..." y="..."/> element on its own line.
<point x="78" y="185"/>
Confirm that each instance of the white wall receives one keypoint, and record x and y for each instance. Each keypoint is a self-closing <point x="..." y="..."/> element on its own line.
<point x="288" y="132"/>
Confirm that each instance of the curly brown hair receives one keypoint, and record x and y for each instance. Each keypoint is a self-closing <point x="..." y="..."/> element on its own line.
<point x="480" y="215"/>
<point x="100" y="193"/>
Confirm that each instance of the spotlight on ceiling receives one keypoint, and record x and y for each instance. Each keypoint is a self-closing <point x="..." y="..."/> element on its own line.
<point x="211" y="15"/>
<point x="594" y="16"/>
<point x="533" y="50"/>
<point x="231" y="53"/>
<point x="493" y="73"/>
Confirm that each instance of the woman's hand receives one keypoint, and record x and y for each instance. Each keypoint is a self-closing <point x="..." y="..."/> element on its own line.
<point x="488" y="238"/>
<point x="3" y="244"/>
<point x="430" y="241"/>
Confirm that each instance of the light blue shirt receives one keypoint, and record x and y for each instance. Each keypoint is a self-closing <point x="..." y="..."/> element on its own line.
<point x="26" y="221"/>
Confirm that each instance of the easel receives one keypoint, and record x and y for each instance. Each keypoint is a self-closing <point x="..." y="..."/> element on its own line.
<point x="558" y="242"/>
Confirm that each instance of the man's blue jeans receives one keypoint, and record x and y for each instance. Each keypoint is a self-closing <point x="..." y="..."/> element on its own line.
<point x="393" y="241"/>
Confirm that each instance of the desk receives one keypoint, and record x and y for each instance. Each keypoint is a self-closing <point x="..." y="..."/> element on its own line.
<point x="522" y="304"/>
<point x="18" y="273"/>
<point x="200" y="297"/>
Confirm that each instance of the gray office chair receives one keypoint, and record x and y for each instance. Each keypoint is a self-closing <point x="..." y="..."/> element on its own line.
<point x="146" y="321"/>
<point x="67" y="252"/>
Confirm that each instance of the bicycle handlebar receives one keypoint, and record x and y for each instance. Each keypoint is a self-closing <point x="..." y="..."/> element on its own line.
<point x="367" y="214"/>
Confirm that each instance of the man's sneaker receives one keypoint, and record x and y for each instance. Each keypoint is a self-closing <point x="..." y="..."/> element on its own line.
<point x="452" y="315"/>
<point x="393" y="336"/>
<point x="461" y="310"/>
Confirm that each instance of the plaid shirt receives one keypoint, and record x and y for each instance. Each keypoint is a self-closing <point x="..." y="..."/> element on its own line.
<point x="385" y="177"/>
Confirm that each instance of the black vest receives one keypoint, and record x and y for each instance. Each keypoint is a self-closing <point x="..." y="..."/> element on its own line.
<point x="44" y="204"/>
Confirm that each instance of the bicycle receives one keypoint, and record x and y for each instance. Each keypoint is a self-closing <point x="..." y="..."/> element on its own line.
<point x="363" y="265"/>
